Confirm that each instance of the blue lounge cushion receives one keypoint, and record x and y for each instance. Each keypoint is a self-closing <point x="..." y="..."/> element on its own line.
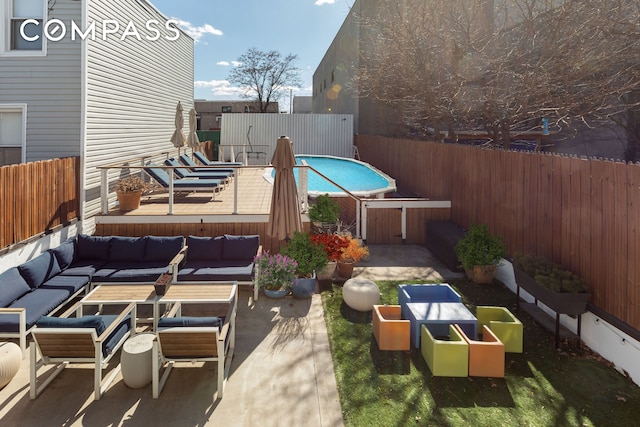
<point x="171" y="322"/>
<point x="65" y="253"/>
<point x="163" y="248"/>
<point x="93" y="247"/>
<point x="123" y="328"/>
<point x="240" y="247"/>
<point x="94" y="322"/>
<point x="130" y="271"/>
<point x="39" y="269"/>
<point x="241" y="270"/>
<point x="71" y="284"/>
<point x="80" y="270"/>
<point x="130" y="249"/>
<point x="12" y="286"/>
<point x="204" y="248"/>
<point x="36" y="304"/>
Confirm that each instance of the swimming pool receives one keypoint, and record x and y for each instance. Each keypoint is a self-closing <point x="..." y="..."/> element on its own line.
<point x="358" y="177"/>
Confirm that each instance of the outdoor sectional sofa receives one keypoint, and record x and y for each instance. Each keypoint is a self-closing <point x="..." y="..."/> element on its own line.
<point x="41" y="286"/>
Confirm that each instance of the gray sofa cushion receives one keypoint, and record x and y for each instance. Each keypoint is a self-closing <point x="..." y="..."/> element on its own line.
<point x="241" y="270"/>
<point x="39" y="269"/>
<point x="94" y="322"/>
<point x="130" y="271"/>
<point x="163" y="248"/>
<point x="93" y="247"/>
<point x="37" y="303"/>
<point x="65" y="253"/>
<point x="12" y="286"/>
<point x="240" y="247"/>
<point x="204" y="248"/>
<point x="71" y="284"/>
<point x="171" y="322"/>
<point x="131" y="249"/>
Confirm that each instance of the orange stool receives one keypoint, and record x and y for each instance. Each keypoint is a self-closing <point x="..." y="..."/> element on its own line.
<point x="389" y="329"/>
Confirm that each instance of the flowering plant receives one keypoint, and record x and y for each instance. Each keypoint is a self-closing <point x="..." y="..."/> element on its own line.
<point x="355" y="251"/>
<point x="275" y="271"/>
<point x="333" y="244"/>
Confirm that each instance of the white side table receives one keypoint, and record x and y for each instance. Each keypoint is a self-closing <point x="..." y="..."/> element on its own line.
<point x="136" y="360"/>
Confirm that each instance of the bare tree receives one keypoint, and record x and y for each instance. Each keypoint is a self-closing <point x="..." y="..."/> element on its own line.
<point x="265" y="76"/>
<point x="500" y="66"/>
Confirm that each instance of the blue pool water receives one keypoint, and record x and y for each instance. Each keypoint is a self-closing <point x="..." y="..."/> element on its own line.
<point x="357" y="177"/>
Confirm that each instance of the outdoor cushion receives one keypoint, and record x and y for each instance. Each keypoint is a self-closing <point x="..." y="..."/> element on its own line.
<point x="240" y="247"/>
<point x="130" y="271"/>
<point x="216" y="271"/>
<point x="12" y="287"/>
<point x="37" y="304"/>
<point x="93" y="247"/>
<point x="170" y="322"/>
<point x="71" y="284"/>
<point x="114" y="337"/>
<point x="127" y="248"/>
<point x="204" y="248"/>
<point x="163" y="248"/>
<point x="65" y="253"/>
<point x="94" y="322"/>
<point x="39" y="269"/>
<point x="80" y="270"/>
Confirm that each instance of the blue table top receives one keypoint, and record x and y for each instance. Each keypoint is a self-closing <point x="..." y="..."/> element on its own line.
<point x="439" y="311"/>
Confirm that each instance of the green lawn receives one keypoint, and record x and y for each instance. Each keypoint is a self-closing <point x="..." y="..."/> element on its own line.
<point x="542" y="386"/>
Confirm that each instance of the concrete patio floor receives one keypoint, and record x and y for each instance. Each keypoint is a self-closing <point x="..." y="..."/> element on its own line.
<point x="281" y="373"/>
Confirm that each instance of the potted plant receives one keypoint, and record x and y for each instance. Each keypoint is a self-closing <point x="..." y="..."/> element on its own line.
<point x="324" y="214"/>
<point x="275" y="273"/>
<point x="333" y="245"/>
<point x="129" y="191"/>
<point x="351" y="254"/>
<point x="310" y="257"/>
<point x="480" y="252"/>
<point x="559" y="289"/>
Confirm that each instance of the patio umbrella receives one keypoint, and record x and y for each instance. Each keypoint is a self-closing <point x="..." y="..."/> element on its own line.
<point x="178" y="138"/>
<point x="284" y="217"/>
<point x="192" y="139"/>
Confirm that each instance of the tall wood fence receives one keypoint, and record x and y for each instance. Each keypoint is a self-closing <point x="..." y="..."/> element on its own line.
<point x="583" y="214"/>
<point x="37" y="197"/>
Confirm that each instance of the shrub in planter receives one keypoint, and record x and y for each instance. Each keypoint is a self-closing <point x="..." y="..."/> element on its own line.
<point x="310" y="256"/>
<point x="324" y="214"/>
<point x="479" y="252"/>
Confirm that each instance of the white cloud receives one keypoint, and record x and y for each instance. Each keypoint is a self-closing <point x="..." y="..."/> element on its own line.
<point x="197" y="32"/>
<point x="223" y="63"/>
<point x="220" y="87"/>
<point x="321" y="2"/>
<point x="236" y="63"/>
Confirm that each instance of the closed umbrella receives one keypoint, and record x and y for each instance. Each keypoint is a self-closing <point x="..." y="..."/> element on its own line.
<point x="192" y="139"/>
<point x="178" y="138"/>
<point x="284" y="217"/>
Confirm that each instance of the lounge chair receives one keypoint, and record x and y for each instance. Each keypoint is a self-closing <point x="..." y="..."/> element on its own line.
<point x="389" y="329"/>
<point x="486" y="357"/>
<point x="193" y="339"/>
<point x="183" y="172"/>
<point x="86" y="339"/>
<point x="188" y="184"/>
<point x="199" y="155"/>
<point x="445" y="358"/>
<point x="194" y="167"/>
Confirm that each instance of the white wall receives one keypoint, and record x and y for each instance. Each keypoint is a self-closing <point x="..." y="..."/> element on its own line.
<point x="330" y="134"/>
<point x="611" y="343"/>
<point x="23" y="253"/>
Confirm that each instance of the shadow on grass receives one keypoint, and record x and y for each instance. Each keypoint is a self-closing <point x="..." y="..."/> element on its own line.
<point x="389" y="362"/>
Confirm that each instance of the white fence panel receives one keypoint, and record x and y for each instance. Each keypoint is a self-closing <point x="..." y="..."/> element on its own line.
<point x="330" y="134"/>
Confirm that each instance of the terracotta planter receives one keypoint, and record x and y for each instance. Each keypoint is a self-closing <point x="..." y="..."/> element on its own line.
<point x="345" y="269"/>
<point x="482" y="274"/>
<point x="129" y="200"/>
<point x="572" y="304"/>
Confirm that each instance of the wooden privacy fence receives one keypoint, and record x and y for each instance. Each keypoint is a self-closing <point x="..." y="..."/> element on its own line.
<point x="583" y="214"/>
<point x="37" y="197"/>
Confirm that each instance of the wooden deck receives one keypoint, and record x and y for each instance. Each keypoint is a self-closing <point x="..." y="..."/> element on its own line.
<point x="254" y="198"/>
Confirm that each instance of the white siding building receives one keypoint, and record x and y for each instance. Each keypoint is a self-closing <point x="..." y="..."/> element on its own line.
<point x="107" y="91"/>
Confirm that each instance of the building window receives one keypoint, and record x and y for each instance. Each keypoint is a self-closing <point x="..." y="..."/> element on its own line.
<point x="226" y="109"/>
<point x="30" y="40"/>
<point x="13" y="130"/>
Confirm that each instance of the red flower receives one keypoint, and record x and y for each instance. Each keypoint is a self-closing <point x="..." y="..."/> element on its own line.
<point x="333" y="244"/>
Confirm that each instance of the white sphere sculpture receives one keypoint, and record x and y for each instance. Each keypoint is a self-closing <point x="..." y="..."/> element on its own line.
<point x="360" y="294"/>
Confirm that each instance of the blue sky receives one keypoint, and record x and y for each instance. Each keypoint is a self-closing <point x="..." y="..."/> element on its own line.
<point x="225" y="29"/>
